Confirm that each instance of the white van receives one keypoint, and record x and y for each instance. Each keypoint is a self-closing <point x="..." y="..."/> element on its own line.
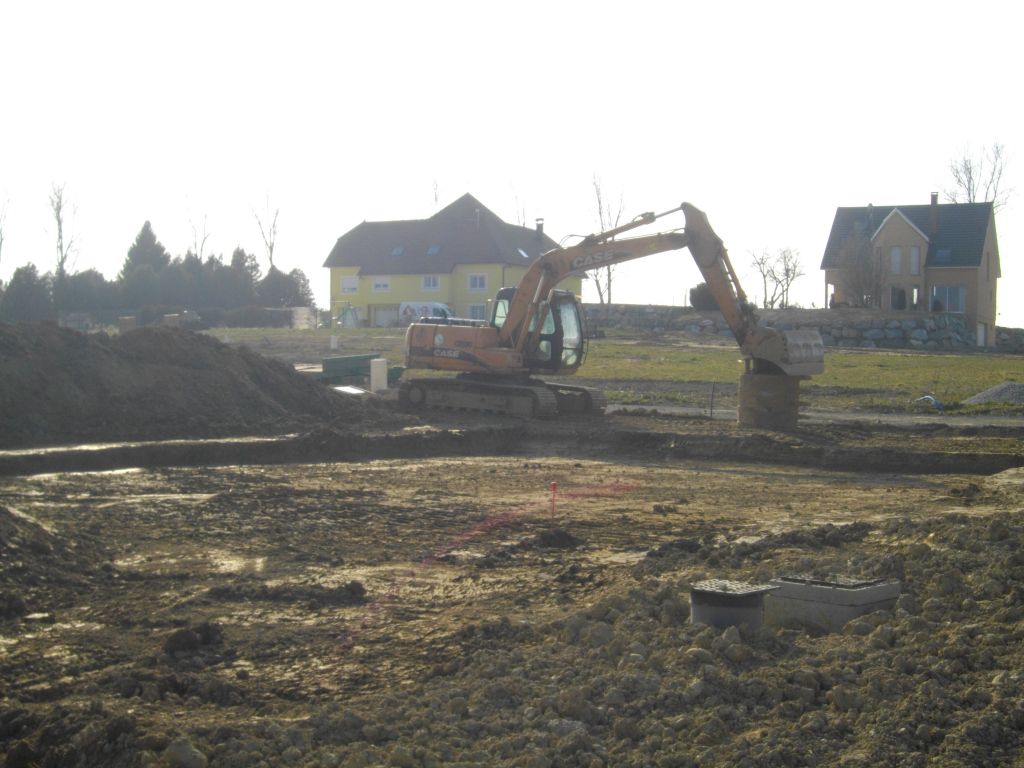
<point x="411" y="311"/>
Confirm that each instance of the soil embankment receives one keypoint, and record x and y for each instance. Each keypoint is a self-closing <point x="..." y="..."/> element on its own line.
<point x="59" y="387"/>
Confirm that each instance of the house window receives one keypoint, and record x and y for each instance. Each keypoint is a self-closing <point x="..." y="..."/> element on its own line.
<point x="915" y="260"/>
<point x="915" y="297"/>
<point x="895" y="259"/>
<point x="477" y="311"/>
<point x="350" y="285"/>
<point x="948" y="298"/>
<point x="397" y="250"/>
<point x="898" y="298"/>
<point x="433" y="250"/>
<point x="431" y="283"/>
<point x="381" y="284"/>
<point x="478" y="282"/>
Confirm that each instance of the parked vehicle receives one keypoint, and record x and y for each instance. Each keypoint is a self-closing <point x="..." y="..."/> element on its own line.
<point x="411" y="311"/>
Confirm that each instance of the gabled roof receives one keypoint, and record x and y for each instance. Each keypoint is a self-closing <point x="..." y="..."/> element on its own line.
<point x="956" y="240"/>
<point x="464" y="232"/>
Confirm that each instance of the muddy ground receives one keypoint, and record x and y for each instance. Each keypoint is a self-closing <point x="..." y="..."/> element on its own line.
<point x="412" y="592"/>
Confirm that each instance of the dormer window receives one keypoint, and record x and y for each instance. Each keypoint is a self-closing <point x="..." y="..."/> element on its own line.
<point x="433" y="250"/>
<point x="397" y="251"/>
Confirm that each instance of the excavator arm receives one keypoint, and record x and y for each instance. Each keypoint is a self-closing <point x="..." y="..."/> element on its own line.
<point x="766" y="350"/>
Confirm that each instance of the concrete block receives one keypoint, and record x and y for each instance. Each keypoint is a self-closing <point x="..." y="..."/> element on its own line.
<point x="827" y="604"/>
<point x="721" y="603"/>
<point x="378" y="375"/>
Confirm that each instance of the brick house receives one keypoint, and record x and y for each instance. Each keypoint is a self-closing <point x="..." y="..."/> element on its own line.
<point x="460" y="256"/>
<point x="917" y="258"/>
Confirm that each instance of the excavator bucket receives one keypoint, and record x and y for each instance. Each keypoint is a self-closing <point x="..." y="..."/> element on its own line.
<point x="795" y="353"/>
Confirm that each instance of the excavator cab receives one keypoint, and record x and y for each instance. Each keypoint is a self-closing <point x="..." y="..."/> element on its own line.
<point x="560" y="345"/>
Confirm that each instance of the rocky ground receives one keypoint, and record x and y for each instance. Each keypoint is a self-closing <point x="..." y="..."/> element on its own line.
<point x="390" y="590"/>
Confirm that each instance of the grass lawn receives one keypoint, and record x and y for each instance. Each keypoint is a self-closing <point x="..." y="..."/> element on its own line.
<point x="869" y="379"/>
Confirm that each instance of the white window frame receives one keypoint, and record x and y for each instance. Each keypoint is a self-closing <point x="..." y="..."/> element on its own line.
<point x="381" y="283"/>
<point x="477" y="311"/>
<point x="350" y="284"/>
<point x="915" y="260"/>
<point x="895" y="260"/>
<point x="431" y="282"/>
<point x="477" y="281"/>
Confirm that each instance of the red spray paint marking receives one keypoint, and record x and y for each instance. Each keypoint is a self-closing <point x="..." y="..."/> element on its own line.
<point x="390" y="596"/>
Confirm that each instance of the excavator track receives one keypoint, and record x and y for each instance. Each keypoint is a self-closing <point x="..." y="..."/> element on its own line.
<point x="529" y="399"/>
<point x="573" y="398"/>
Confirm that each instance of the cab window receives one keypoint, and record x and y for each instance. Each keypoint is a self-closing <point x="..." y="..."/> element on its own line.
<point x="571" y="336"/>
<point x="500" y="312"/>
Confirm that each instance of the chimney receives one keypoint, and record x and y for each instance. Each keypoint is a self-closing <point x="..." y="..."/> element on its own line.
<point x="934" y="220"/>
<point x="540" y="228"/>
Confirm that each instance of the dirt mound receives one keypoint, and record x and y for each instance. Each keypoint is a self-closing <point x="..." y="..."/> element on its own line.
<point x="1007" y="392"/>
<point x="60" y="386"/>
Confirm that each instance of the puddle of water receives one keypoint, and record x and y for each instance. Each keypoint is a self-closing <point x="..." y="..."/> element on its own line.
<point x="147" y="498"/>
<point x="618" y="558"/>
<point x="225" y="562"/>
<point x="747" y="539"/>
<point x="61" y="475"/>
<point x="461" y="554"/>
<point x="138" y="444"/>
<point x="29" y="519"/>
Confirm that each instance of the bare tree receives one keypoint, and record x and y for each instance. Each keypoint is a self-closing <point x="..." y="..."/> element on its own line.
<point x="520" y="210"/>
<point x="199" y="242"/>
<point x="608" y="218"/>
<point x="788" y="269"/>
<point x="763" y="263"/>
<point x="863" y="276"/>
<point x="65" y="245"/>
<point x="778" y="273"/>
<point x="979" y="179"/>
<point x="268" y="233"/>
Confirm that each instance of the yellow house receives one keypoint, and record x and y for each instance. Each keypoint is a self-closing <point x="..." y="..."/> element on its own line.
<point x="458" y="258"/>
<point x="917" y="258"/>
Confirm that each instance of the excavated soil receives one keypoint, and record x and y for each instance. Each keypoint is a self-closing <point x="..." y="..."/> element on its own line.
<point x="59" y="386"/>
<point x="373" y="588"/>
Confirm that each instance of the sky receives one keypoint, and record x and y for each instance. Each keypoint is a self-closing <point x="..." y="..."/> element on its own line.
<point x="202" y="116"/>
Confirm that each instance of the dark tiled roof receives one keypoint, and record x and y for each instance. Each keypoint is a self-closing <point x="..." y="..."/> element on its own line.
<point x="465" y="232"/>
<point x="958" y="240"/>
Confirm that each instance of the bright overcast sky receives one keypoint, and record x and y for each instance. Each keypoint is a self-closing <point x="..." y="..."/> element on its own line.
<point x="768" y="116"/>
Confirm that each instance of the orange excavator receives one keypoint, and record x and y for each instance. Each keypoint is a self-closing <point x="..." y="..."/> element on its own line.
<point x="536" y="329"/>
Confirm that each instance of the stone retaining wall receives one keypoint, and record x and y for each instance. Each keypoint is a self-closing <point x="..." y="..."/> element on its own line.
<point x="860" y="328"/>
